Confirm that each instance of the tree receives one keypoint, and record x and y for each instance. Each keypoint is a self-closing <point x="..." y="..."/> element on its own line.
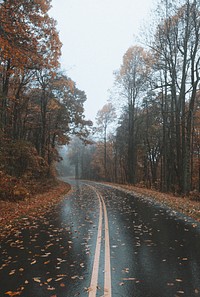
<point x="28" y="39"/>
<point x="58" y="113"/>
<point x="121" y="148"/>
<point x="176" y="49"/>
<point x="150" y="148"/>
<point x="80" y="156"/>
<point x="131" y="79"/>
<point x="105" y="116"/>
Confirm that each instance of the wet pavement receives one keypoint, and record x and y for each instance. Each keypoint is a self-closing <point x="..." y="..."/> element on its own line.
<point x="154" y="251"/>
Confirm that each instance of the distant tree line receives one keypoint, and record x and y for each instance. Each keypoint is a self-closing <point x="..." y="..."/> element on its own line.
<point x="157" y="140"/>
<point x="40" y="107"/>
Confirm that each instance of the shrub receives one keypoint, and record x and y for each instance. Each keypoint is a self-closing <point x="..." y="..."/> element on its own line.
<point x="19" y="158"/>
<point x="11" y="188"/>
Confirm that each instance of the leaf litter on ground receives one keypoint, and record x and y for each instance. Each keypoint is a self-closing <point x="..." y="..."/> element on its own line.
<point x="14" y="214"/>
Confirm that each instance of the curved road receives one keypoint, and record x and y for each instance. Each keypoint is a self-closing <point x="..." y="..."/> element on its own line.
<point x="102" y="241"/>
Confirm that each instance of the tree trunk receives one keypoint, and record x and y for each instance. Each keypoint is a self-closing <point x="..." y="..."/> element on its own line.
<point x="5" y="95"/>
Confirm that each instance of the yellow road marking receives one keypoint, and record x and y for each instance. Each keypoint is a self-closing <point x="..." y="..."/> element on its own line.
<point x="107" y="275"/>
<point x="107" y="269"/>
<point x="94" y="279"/>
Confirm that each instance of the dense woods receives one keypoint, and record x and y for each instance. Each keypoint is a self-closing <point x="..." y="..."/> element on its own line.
<point x="153" y="140"/>
<point x="40" y="107"/>
<point x="156" y="143"/>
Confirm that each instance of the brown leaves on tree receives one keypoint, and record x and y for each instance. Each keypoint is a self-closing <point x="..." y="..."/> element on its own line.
<point x="40" y="107"/>
<point x="28" y="35"/>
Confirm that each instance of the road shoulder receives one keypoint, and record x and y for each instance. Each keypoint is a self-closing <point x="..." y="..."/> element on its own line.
<point x="13" y="213"/>
<point x="184" y="205"/>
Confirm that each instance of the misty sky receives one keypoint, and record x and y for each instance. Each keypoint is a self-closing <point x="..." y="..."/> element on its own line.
<point x="95" y="35"/>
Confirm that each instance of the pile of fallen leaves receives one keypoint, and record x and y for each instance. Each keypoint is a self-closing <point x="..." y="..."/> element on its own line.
<point x="12" y="212"/>
<point x="187" y="205"/>
<point x="11" y="188"/>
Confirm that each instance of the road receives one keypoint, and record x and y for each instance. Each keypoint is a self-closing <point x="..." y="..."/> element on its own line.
<point x="102" y="241"/>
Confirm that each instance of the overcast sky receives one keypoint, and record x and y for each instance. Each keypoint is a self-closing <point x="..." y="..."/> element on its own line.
<point x="95" y="35"/>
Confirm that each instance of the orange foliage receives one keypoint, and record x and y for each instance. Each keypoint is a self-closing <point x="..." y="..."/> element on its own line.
<point x="28" y="35"/>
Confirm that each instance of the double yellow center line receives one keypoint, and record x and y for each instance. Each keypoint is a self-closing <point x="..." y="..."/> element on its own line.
<point x="107" y="267"/>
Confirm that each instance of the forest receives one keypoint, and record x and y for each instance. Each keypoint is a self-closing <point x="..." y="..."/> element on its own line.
<point x="156" y="140"/>
<point x="40" y="107"/>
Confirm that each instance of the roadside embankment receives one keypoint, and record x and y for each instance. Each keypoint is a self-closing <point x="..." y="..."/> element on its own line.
<point x="11" y="213"/>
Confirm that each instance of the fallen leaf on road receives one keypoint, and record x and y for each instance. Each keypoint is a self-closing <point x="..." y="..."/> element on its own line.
<point x="58" y="279"/>
<point x="12" y="272"/>
<point x="178" y="280"/>
<point x="89" y="289"/>
<point x="46" y="255"/>
<point x="62" y="285"/>
<point x="82" y="265"/>
<point x="125" y="270"/>
<point x="74" y="277"/>
<point x="50" y="288"/>
<point x="129" y="278"/>
<point x="37" y="279"/>
<point x="12" y="294"/>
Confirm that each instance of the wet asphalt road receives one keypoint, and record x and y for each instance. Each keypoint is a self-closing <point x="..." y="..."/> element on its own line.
<point x="154" y="252"/>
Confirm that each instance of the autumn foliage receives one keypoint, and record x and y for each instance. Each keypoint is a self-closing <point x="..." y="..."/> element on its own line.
<point x="40" y="107"/>
<point x="157" y="93"/>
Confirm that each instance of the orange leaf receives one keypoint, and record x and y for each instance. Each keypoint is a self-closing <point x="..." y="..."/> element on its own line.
<point x="12" y="294"/>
